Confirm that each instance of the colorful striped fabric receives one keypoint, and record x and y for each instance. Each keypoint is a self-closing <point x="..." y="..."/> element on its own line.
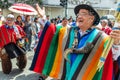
<point x="58" y="59"/>
<point x="49" y="57"/>
<point x="72" y="69"/>
<point x="92" y="67"/>
<point x="51" y="53"/>
<point x="39" y="45"/>
<point x="44" y="48"/>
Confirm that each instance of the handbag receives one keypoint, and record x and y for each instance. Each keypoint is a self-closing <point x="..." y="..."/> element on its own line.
<point x="12" y="49"/>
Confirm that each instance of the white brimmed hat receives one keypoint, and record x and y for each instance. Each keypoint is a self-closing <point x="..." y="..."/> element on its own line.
<point x="10" y="16"/>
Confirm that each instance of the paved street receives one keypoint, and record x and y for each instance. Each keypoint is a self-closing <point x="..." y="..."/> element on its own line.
<point x="16" y="74"/>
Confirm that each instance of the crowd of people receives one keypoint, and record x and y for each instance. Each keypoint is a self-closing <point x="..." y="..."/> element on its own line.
<point x="61" y="45"/>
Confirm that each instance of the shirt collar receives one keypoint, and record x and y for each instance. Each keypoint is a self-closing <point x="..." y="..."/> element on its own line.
<point x="85" y="32"/>
<point x="8" y="27"/>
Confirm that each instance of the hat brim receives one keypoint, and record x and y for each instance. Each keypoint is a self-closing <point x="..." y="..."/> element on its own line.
<point x="90" y="9"/>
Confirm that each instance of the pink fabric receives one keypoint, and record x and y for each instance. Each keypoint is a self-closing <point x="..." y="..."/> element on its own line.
<point x="39" y="33"/>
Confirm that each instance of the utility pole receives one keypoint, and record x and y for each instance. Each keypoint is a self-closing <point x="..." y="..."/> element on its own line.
<point x="66" y="9"/>
<point x="65" y="5"/>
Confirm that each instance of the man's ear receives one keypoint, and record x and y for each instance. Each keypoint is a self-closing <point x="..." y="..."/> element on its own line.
<point x="92" y="18"/>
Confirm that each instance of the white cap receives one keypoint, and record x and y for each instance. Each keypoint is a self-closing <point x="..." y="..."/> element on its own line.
<point x="105" y="20"/>
<point x="10" y="16"/>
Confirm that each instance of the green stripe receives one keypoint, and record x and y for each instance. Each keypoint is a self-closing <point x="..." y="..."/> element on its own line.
<point x="51" y="53"/>
<point x="98" y="75"/>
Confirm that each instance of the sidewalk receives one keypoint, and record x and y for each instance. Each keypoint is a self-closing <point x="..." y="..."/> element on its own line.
<point x="16" y="74"/>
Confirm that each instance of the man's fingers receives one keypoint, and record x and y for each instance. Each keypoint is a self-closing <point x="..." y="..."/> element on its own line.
<point x="115" y="34"/>
<point x="116" y="31"/>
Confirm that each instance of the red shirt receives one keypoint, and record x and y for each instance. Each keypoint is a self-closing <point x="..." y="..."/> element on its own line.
<point x="21" y="31"/>
<point x="107" y="30"/>
<point x="7" y="35"/>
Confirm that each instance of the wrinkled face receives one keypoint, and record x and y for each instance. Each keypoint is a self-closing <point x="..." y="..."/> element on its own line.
<point x="84" y="19"/>
<point x="10" y="21"/>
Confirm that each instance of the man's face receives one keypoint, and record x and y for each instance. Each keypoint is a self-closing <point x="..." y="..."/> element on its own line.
<point x="10" y="22"/>
<point x="84" y="19"/>
<point x="103" y="23"/>
<point x="65" y="22"/>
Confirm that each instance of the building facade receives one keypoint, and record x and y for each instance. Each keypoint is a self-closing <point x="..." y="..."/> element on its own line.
<point x="103" y="7"/>
<point x="54" y="9"/>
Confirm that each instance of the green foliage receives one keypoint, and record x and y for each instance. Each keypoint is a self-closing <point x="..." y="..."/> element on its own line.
<point x="30" y="2"/>
<point x="4" y="4"/>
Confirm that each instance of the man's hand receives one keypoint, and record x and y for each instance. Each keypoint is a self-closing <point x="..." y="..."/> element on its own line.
<point x="18" y="36"/>
<point x="116" y="35"/>
<point x="41" y="12"/>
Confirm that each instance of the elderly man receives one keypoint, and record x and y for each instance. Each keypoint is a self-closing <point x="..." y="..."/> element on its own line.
<point x="9" y="34"/>
<point x="82" y="46"/>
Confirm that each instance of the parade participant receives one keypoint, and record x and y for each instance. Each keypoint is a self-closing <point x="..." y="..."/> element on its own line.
<point x="113" y="54"/>
<point x="116" y="54"/>
<point x="83" y="47"/>
<point x="9" y="34"/>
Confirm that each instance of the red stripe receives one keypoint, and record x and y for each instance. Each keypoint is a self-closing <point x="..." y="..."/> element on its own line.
<point x="44" y="49"/>
<point x="108" y="67"/>
<point x="23" y="5"/>
<point x="24" y="10"/>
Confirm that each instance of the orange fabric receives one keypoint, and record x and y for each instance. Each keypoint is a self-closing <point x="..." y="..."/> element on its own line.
<point x="92" y="68"/>
<point x="57" y="63"/>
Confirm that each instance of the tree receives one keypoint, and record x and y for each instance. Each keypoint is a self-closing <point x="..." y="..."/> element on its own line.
<point x="63" y="3"/>
<point x="4" y="4"/>
<point x="30" y="2"/>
